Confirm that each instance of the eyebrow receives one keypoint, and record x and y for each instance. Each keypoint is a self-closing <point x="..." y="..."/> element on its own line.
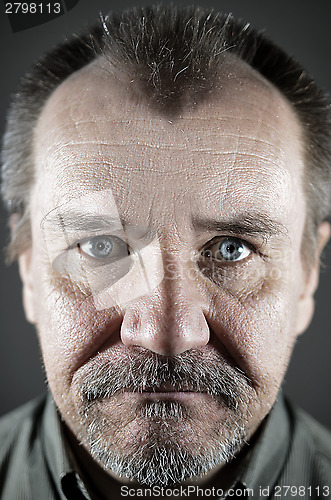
<point x="258" y="224"/>
<point x="80" y="221"/>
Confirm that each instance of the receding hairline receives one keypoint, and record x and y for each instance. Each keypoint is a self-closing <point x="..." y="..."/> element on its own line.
<point x="233" y="73"/>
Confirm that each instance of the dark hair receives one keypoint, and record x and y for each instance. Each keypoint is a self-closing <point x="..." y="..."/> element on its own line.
<point x="174" y="55"/>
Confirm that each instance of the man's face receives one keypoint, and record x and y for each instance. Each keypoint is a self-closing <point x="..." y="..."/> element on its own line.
<point x="165" y="276"/>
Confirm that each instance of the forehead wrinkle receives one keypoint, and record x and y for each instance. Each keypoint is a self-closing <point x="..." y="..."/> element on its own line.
<point x="194" y="144"/>
<point x="139" y="144"/>
<point x="104" y="167"/>
<point x="257" y="156"/>
<point x="75" y="156"/>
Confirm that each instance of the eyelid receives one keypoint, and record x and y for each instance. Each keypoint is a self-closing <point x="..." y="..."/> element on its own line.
<point x="131" y="236"/>
<point x="219" y="238"/>
<point x="246" y="243"/>
<point x="73" y="263"/>
<point x="81" y="241"/>
<point x="95" y="260"/>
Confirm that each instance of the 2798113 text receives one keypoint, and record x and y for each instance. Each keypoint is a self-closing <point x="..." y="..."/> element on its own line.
<point x="301" y="491"/>
<point x="32" y="8"/>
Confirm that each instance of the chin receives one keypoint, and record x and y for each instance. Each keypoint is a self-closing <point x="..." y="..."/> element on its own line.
<point x="161" y="441"/>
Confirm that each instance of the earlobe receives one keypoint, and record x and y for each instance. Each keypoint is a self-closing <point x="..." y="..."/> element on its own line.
<point x="306" y="304"/>
<point x="24" y="264"/>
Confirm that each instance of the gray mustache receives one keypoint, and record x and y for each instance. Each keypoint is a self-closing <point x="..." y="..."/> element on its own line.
<point x="140" y="370"/>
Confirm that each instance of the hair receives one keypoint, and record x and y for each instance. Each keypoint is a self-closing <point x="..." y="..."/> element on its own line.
<point x="174" y="55"/>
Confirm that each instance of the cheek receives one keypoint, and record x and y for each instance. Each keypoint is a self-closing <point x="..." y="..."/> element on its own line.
<point x="70" y="329"/>
<point x="252" y="315"/>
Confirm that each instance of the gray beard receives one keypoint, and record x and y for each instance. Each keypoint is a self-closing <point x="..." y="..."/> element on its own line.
<point x="161" y="456"/>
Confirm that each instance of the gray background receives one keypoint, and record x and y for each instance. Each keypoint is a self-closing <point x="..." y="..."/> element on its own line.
<point x="303" y="28"/>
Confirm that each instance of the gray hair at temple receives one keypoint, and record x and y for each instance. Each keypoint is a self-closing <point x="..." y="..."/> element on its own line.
<point x="173" y="55"/>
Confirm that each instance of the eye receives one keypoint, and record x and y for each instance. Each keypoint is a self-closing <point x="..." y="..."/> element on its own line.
<point x="104" y="247"/>
<point x="227" y="249"/>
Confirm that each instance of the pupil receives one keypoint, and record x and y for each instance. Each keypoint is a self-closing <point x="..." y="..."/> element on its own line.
<point x="230" y="248"/>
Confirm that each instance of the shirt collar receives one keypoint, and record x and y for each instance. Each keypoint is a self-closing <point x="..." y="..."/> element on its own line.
<point x="265" y="461"/>
<point x="58" y="456"/>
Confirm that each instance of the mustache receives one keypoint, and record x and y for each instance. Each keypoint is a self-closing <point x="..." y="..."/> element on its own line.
<point x="140" y="370"/>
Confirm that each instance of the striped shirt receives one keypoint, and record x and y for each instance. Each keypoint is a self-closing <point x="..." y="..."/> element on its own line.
<point x="290" y="459"/>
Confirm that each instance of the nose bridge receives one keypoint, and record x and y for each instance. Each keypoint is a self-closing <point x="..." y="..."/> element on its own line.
<point x="170" y="319"/>
<point x="177" y="292"/>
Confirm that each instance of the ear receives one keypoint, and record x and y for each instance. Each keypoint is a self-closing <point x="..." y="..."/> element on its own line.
<point x="306" y="304"/>
<point x="25" y="269"/>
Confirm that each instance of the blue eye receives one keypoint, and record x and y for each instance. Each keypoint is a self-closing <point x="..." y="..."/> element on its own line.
<point x="104" y="247"/>
<point x="227" y="249"/>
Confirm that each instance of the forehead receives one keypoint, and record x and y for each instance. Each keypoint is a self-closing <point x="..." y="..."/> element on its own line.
<point x="239" y="147"/>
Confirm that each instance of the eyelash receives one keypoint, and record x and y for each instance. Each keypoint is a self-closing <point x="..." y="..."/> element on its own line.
<point x="218" y="239"/>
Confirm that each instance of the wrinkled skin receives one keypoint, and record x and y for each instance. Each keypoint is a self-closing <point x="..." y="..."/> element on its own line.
<point x="236" y="155"/>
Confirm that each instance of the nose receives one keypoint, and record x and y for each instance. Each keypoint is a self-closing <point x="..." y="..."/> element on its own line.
<point x="168" y="321"/>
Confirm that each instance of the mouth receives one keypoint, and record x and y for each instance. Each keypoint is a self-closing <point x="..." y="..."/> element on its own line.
<point x="168" y="388"/>
<point x="168" y="391"/>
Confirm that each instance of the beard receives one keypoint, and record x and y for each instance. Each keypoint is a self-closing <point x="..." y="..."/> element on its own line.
<point x="160" y="420"/>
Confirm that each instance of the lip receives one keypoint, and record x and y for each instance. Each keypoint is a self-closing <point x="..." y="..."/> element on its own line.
<point x="167" y="391"/>
<point x="168" y="388"/>
<point x="171" y="394"/>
